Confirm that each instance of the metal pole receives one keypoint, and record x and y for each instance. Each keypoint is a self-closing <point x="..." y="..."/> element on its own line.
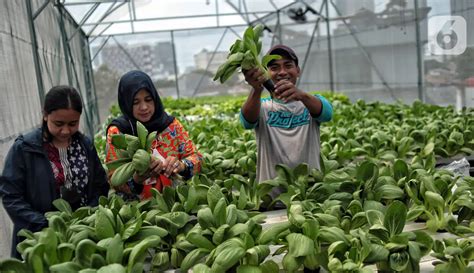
<point x="83" y="97"/>
<point x="70" y="64"/>
<point x="217" y="13"/>
<point x="90" y="85"/>
<point x="65" y="45"/>
<point x="316" y="25"/>
<point x="364" y="52"/>
<point x="100" y="48"/>
<point x="419" y="56"/>
<point x="133" y="15"/>
<point x="40" y="9"/>
<point x="34" y="47"/>
<point x="331" y="75"/>
<point x="175" y="64"/>
<point x="126" y="53"/>
<point x="83" y="21"/>
<point x="109" y="11"/>
<point x="279" y="28"/>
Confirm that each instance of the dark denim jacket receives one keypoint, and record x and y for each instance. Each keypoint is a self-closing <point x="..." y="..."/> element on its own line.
<point x="27" y="184"/>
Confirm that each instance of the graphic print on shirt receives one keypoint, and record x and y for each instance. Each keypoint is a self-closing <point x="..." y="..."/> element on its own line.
<point x="288" y="120"/>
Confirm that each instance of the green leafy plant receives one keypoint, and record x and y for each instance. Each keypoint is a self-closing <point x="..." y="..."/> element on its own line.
<point x="453" y="255"/>
<point x="403" y="250"/>
<point x="244" y="54"/>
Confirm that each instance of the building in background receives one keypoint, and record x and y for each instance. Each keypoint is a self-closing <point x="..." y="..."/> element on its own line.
<point x="387" y="55"/>
<point x="350" y="7"/>
<point x="203" y="59"/>
<point x="164" y="60"/>
<point x="154" y="59"/>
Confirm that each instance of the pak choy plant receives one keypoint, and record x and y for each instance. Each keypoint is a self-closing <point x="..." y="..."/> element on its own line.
<point x="89" y="239"/>
<point x="371" y="185"/>
<point x="462" y="204"/>
<point x="453" y="255"/>
<point x="244" y="54"/>
<point x="133" y="156"/>
<point x="350" y="252"/>
<point x="401" y="250"/>
<point x="291" y="184"/>
<point x="301" y="240"/>
<point x="169" y="210"/>
<point x="226" y="239"/>
<point x="434" y="199"/>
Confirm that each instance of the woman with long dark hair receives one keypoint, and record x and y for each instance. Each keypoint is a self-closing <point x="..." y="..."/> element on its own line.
<point x="176" y="153"/>
<point x="51" y="162"/>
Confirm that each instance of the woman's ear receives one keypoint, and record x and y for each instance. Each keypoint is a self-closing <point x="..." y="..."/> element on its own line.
<point x="45" y="116"/>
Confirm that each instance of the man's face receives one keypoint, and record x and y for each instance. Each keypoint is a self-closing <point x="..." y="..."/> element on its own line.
<point x="284" y="69"/>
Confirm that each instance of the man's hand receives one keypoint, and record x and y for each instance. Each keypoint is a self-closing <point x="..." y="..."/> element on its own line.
<point x="255" y="78"/>
<point x="287" y="91"/>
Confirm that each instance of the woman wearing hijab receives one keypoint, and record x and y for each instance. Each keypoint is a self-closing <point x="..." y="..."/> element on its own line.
<point x="139" y="101"/>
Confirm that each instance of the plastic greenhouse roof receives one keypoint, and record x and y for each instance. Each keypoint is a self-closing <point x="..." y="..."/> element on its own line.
<point x="115" y="17"/>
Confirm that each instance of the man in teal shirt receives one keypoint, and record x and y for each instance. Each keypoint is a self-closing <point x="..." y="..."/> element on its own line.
<point x="287" y="124"/>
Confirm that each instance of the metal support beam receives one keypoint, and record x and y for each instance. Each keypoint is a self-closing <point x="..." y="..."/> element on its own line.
<point x="328" y="31"/>
<point x="419" y="55"/>
<point x="83" y="98"/>
<point x="217" y="13"/>
<point x="210" y="61"/>
<point x="175" y="64"/>
<point x="71" y="64"/>
<point x="84" y="19"/>
<point x="308" y="50"/>
<point x="91" y="2"/>
<point x="364" y="52"/>
<point x="133" y="14"/>
<point x="239" y="12"/>
<point x="34" y="47"/>
<point x="278" y="26"/>
<point x="101" y="32"/>
<point x="127" y="54"/>
<point x="62" y="29"/>
<point x="109" y="11"/>
<point x="90" y="86"/>
<point x="179" y="17"/>
<point x="235" y="32"/>
<point x="273" y="12"/>
<point x="163" y="31"/>
<point x="100" y="48"/>
<point x="246" y="12"/>
<point x="93" y="85"/>
<point x="40" y="9"/>
<point x="185" y="29"/>
<point x="273" y="4"/>
<point x="275" y="36"/>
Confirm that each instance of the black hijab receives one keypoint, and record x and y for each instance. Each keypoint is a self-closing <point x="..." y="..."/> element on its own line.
<point x="129" y="85"/>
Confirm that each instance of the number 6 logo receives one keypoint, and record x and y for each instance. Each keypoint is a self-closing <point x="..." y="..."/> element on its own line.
<point x="447" y="35"/>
